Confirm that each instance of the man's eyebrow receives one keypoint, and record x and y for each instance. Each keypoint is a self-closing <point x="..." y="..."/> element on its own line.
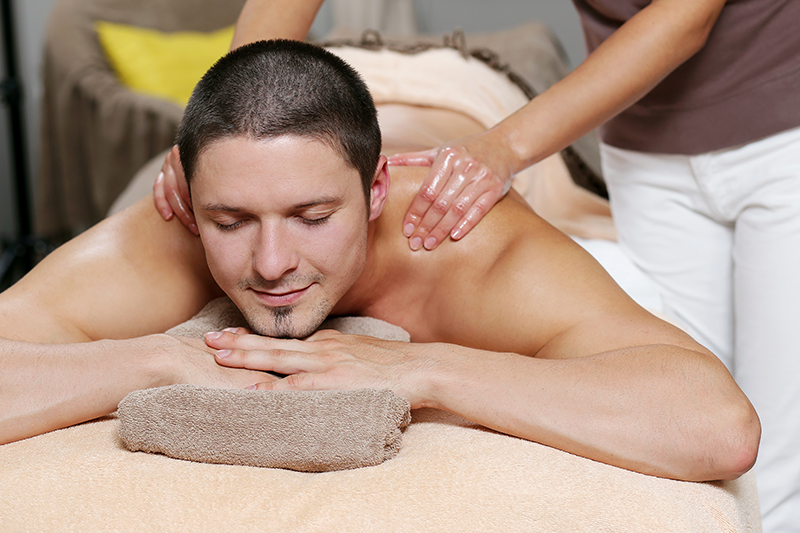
<point x="318" y="201"/>
<point x="305" y="205"/>
<point x="220" y="207"/>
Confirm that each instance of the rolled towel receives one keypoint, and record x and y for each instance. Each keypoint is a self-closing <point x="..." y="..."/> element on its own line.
<point x="316" y="431"/>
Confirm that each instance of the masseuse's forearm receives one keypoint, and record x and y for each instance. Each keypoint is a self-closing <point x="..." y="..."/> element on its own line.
<point x="49" y="386"/>
<point x="659" y="410"/>
<point x="274" y="19"/>
<point x="619" y="72"/>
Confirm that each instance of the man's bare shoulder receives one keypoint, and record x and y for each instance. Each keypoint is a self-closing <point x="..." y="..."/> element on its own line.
<point x="515" y="283"/>
<point x="130" y="275"/>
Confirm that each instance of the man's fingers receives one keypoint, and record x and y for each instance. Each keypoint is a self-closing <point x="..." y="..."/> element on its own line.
<point x="262" y="381"/>
<point x="323" y="334"/>
<point x="233" y="340"/>
<point x="304" y="381"/>
<point x="279" y="361"/>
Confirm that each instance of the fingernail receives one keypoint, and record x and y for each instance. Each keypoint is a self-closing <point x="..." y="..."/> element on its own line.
<point x="231" y="330"/>
<point x="251" y="387"/>
<point x="222" y="354"/>
<point x="213" y="335"/>
<point x="457" y="232"/>
<point x="408" y="229"/>
<point x="165" y="214"/>
<point x="193" y="229"/>
<point x="416" y="243"/>
<point x="430" y="243"/>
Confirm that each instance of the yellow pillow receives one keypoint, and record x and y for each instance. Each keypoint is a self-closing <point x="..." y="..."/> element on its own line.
<point x="164" y="65"/>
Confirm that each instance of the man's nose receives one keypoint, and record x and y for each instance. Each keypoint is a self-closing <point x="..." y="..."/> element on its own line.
<point x="275" y="254"/>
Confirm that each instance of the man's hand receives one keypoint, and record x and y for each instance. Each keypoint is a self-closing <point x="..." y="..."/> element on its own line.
<point x="171" y="192"/>
<point x="328" y="360"/>
<point x="467" y="177"/>
<point x="195" y="364"/>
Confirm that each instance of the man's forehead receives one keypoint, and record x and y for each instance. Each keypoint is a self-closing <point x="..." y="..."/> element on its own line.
<point x="294" y="171"/>
<point x="271" y="148"/>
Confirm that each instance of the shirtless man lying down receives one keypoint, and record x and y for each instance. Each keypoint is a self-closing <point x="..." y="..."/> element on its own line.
<point x="514" y="327"/>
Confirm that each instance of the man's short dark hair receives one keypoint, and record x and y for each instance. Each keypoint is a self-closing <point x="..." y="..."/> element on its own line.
<point x="268" y="89"/>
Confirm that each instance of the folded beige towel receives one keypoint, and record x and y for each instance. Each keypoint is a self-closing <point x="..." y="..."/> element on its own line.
<point x="317" y="431"/>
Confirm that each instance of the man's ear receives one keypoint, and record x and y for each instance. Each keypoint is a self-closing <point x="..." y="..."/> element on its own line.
<point x="379" y="190"/>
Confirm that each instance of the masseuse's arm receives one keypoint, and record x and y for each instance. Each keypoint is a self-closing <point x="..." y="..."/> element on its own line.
<point x="259" y="19"/>
<point x="468" y="176"/>
<point x="75" y="333"/>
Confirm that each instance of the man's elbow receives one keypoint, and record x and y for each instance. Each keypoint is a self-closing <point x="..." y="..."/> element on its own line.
<point x="735" y="445"/>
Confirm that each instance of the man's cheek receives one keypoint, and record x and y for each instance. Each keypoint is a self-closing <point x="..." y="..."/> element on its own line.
<point x="223" y="270"/>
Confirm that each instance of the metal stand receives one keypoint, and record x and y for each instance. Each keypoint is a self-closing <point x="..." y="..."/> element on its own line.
<point x="18" y="257"/>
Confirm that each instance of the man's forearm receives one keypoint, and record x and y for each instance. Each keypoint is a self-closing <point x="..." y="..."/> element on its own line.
<point x="50" y="386"/>
<point x="661" y="410"/>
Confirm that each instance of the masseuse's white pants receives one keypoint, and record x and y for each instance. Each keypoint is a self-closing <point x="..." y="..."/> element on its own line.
<point x="719" y="233"/>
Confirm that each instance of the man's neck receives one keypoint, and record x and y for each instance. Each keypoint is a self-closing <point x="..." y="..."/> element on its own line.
<point x="394" y="276"/>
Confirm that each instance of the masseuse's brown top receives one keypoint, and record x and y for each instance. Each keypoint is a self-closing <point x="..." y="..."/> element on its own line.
<point x="744" y="84"/>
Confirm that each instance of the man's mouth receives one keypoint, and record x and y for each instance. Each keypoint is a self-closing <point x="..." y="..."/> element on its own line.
<point x="279" y="297"/>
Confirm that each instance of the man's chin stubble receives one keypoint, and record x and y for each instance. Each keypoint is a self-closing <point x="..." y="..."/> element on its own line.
<point x="282" y="324"/>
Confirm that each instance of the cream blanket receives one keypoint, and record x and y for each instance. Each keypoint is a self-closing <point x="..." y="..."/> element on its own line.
<point x="450" y="475"/>
<point x="441" y="78"/>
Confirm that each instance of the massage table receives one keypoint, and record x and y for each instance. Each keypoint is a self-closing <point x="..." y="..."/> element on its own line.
<point x="449" y="475"/>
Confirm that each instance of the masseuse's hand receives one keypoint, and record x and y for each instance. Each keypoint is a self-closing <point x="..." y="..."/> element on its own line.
<point x="467" y="177"/>
<point x="171" y="193"/>
<point x="327" y="360"/>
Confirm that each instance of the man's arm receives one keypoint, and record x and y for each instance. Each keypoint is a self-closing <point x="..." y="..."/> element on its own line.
<point x="131" y="275"/>
<point x="609" y="381"/>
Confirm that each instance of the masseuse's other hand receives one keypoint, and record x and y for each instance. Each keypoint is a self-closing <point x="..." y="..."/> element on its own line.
<point x="467" y="177"/>
<point x="171" y="193"/>
<point x="328" y="360"/>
